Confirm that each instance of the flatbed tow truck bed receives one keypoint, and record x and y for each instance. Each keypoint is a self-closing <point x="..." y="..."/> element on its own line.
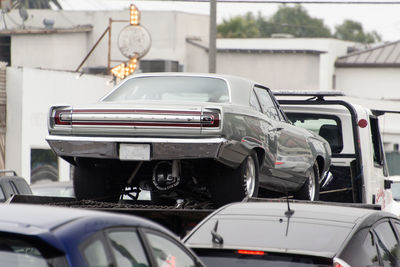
<point x="178" y="219"/>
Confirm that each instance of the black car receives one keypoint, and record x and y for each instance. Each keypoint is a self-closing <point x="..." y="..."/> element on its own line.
<point x="12" y="185"/>
<point x="302" y="234"/>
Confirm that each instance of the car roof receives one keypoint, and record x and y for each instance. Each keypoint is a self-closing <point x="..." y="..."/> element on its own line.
<point x="335" y="213"/>
<point x="36" y="219"/>
<point x="313" y="229"/>
<point x="237" y="84"/>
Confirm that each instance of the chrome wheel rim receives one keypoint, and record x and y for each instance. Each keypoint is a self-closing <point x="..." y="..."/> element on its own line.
<point x="311" y="185"/>
<point x="250" y="176"/>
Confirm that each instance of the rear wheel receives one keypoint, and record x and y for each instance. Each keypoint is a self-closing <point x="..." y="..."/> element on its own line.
<point x="234" y="185"/>
<point x="98" y="184"/>
<point x="310" y="189"/>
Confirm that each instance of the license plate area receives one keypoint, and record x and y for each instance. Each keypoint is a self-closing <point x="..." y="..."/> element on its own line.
<point x="134" y="152"/>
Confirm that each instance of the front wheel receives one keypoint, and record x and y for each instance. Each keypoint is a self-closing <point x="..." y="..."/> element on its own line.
<point x="310" y="189"/>
<point x="97" y="184"/>
<point x="234" y="185"/>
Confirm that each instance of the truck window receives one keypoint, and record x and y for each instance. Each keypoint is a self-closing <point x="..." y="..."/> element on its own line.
<point x="327" y="126"/>
<point x="376" y="141"/>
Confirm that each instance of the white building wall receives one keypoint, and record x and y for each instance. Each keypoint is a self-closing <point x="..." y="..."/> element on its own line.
<point x="277" y="71"/>
<point x="332" y="49"/>
<point x="30" y="93"/>
<point x="168" y="30"/>
<point x="369" y="83"/>
<point x="375" y="88"/>
<point x="51" y="51"/>
<point x="197" y="59"/>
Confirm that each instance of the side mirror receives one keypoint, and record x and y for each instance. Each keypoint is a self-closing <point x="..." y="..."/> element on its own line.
<point x="388" y="184"/>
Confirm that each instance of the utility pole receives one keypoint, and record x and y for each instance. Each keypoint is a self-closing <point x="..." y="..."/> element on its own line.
<point x="212" y="50"/>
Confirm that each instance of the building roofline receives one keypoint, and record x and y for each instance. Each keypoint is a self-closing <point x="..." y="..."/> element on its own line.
<point x="367" y="50"/>
<point x="367" y="65"/>
<point x="256" y="50"/>
<point x="77" y="29"/>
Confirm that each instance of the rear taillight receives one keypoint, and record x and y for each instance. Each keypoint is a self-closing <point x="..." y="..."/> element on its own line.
<point x="210" y="119"/>
<point x="340" y="263"/>
<point x="62" y="117"/>
<point x="250" y="252"/>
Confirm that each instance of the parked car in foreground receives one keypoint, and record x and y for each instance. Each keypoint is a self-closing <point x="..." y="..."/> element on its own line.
<point x="12" y="185"/>
<point x="306" y="234"/>
<point x="55" y="189"/>
<point x="33" y="235"/>
<point x="188" y="136"/>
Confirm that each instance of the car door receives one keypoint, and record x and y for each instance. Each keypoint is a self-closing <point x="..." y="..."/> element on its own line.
<point x="290" y="148"/>
<point x="387" y="242"/>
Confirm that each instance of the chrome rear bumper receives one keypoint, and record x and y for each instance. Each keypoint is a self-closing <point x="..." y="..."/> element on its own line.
<point x="160" y="148"/>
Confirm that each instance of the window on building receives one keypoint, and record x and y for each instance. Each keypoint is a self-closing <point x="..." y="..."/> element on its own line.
<point x="44" y="165"/>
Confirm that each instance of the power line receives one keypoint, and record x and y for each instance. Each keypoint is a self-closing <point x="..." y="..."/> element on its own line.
<point x="291" y="1"/>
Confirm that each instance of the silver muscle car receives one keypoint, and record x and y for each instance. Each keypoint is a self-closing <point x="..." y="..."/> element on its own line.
<point x="187" y="136"/>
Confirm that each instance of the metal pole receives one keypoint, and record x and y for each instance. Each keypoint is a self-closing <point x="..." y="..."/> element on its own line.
<point x="212" y="51"/>
<point x="91" y="50"/>
<point x="109" y="46"/>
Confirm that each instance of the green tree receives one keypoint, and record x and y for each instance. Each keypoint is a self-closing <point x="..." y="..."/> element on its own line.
<point x="292" y="20"/>
<point x="353" y="31"/>
<point x="296" y="21"/>
<point x="239" y="27"/>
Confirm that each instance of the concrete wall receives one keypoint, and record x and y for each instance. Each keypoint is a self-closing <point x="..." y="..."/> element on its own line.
<point x="331" y="48"/>
<point x="30" y="93"/>
<point x="168" y="31"/>
<point x="50" y="51"/>
<point x="277" y="71"/>
<point x="369" y="83"/>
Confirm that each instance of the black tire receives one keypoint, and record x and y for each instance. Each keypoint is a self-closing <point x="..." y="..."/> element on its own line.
<point x="97" y="184"/>
<point x="310" y="189"/>
<point x="230" y="185"/>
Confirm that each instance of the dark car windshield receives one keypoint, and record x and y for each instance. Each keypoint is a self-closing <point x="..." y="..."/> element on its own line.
<point x="320" y="236"/>
<point x="173" y="88"/>
<point x="230" y="258"/>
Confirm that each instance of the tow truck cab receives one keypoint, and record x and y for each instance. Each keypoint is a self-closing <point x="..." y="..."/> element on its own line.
<point x="359" y="170"/>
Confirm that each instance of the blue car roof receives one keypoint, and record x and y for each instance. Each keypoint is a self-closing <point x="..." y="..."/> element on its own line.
<point x="35" y="219"/>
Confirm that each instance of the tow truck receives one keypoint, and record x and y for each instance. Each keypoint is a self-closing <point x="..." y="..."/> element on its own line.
<point x="359" y="174"/>
<point x="359" y="169"/>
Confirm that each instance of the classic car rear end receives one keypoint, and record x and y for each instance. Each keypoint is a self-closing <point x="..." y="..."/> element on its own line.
<point x="188" y="136"/>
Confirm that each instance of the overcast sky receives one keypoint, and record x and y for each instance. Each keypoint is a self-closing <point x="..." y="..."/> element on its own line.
<point x="384" y="18"/>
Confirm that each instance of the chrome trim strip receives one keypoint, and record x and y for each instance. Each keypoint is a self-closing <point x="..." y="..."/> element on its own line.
<point x="161" y="148"/>
<point x="145" y="140"/>
<point x="117" y="117"/>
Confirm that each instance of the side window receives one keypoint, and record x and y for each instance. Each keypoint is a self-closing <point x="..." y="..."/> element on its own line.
<point x="2" y="196"/>
<point x="95" y="253"/>
<point x="376" y="141"/>
<point x="370" y="249"/>
<point x="168" y="253"/>
<point x="327" y="126"/>
<point x="127" y="248"/>
<point x="387" y="243"/>
<point x="267" y="104"/>
<point x="254" y="102"/>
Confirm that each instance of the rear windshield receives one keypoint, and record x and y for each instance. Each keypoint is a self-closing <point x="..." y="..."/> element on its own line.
<point x="228" y="258"/>
<point x="275" y="233"/>
<point x="328" y="127"/>
<point x="171" y="88"/>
